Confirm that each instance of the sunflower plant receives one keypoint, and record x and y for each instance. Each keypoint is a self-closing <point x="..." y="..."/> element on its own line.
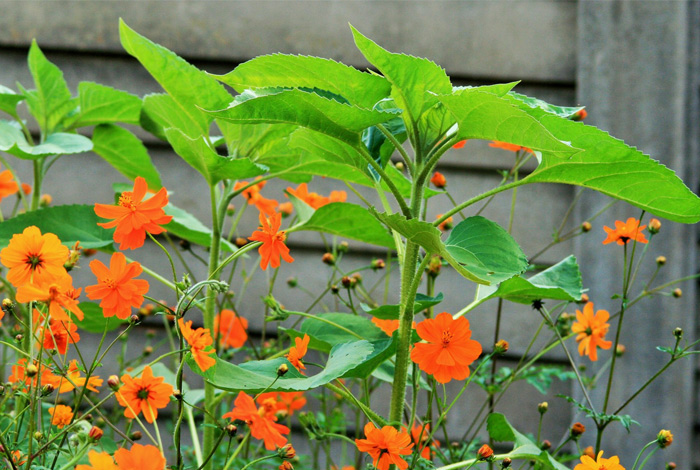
<point x="219" y="397"/>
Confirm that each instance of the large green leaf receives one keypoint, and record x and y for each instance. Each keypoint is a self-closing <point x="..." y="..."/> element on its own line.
<point x="482" y="115"/>
<point x="560" y="282"/>
<point x="189" y="87"/>
<point x="102" y="104"/>
<point x="214" y="167"/>
<point x="70" y="224"/>
<point x="160" y="111"/>
<point x="12" y="141"/>
<point x="51" y="100"/>
<point x="415" y="82"/>
<point x="561" y="111"/>
<point x="610" y="166"/>
<point x="392" y="312"/>
<point x="348" y="220"/>
<point x="126" y="153"/>
<point x="327" y="116"/>
<point x="95" y="321"/>
<point x="295" y="71"/>
<point x="9" y="100"/>
<point x="259" y="375"/>
<point x="186" y="226"/>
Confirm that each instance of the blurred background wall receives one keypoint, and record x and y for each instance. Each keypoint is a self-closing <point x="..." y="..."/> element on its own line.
<point x="635" y="65"/>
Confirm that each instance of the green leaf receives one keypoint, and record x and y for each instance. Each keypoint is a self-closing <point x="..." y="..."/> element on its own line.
<point x="337" y="328"/>
<point x="95" y="321"/>
<point x="561" y="111"/>
<point x="12" y="141"/>
<point x="186" y="226"/>
<point x="344" y="122"/>
<point x="295" y="71"/>
<point x="610" y="166"/>
<point x="188" y="86"/>
<point x="9" y="100"/>
<point x="70" y="224"/>
<point x="348" y="220"/>
<point x="391" y="312"/>
<point x="482" y="115"/>
<point x="126" y="153"/>
<point x="100" y="104"/>
<point x="199" y="154"/>
<point x="259" y="375"/>
<point x="161" y="111"/>
<point x="415" y="82"/>
<point x="51" y="100"/>
<point x="560" y="282"/>
<point x="304" y="211"/>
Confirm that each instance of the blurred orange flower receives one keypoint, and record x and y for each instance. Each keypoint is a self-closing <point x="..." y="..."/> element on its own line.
<point x="200" y="342"/>
<point x="438" y="180"/>
<point x="459" y="144"/>
<point x="144" y="394"/>
<point x="419" y="437"/>
<point x="386" y="446"/>
<point x="507" y="146"/>
<point x="230" y="329"/>
<point x="273" y="247"/>
<point x="98" y="461"/>
<point x="8" y="185"/>
<point x="262" y="425"/>
<point x="288" y="402"/>
<point x="61" y="415"/>
<point x="117" y="287"/>
<point x="139" y="457"/>
<point x="591" y="329"/>
<point x="33" y="257"/>
<point x="58" y="293"/>
<point x="72" y="379"/>
<point x="58" y="334"/>
<point x="587" y="463"/>
<point x="253" y="196"/>
<point x="624" y="232"/>
<point x="133" y="216"/>
<point x="298" y="351"/>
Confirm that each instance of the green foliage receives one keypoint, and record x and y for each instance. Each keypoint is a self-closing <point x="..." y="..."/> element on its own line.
<point x="625" y="420"/>
<point x="95" y="321"/>
<point x="9" y="101"/>
<point x="391" y="312"/>
<point x="13" y="141"/>
<point x="100" y="104"/>
<point x="186" y="226"/>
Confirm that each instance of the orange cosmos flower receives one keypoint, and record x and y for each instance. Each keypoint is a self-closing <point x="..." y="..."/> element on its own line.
<point x="200" y="342"/>
<point x="287" y="402"/>
<point x="419" y="437"/>
<point x="253" y="196"/>
<point x="18" y="458"/>
<point x="507" y="146"/>
<point x="591" y="330"/>
<point x="8" y="185"/>
<point x="438" y="180"/>
<point x="140" y="457"/>
<point x="459" y="144"/>
<point x="286" y="209"/>
<point x="133" y="217"/>
<point x="388" y="326"/>
<point x="298" y="351"/>
<point x="58" y="334"/>
<point x="146" y="394"/>
<point x="448" y="350"/>
<point x="230" y="329"/>
<point x="625" y="231"/>
<point x="61" y="415"/>
<point x="272" y="239"/>
<point x="33" y="257"/>
<point x="587" y="463"/>
<point x="315" y="200"/>
<point x="262" y="425"/>
<point x="386" y="446"/>
<point x="71" y="380"/>
<point x="337" y="196"/>
<point x="117" y="287"/>
<point x="58" y="293"/>
<point x="98" y="461"/>
<point x="19" y="373"/>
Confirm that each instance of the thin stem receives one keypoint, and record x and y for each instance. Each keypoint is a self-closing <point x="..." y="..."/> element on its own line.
<point x="476" y="199"/>
<point x="397" y="146"/>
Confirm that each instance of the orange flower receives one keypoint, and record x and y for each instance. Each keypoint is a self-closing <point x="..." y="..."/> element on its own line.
<point x="230" y="329"/>
<point x="146" y="394"/>
<point x="591" y="330"/>
<point x="116" y="286"/>
<point x="579" y="115"/>
<point x="252" y="194"/>
<point x="507" y="146"/>
<point x="286" y="208"/>
<point x="58" y="334"/>
<point x="388" y="326"/>
<point x="71" y="380"/>
<point x="272" y="239"/>
<point x="18" y="458"/>
<point x="459" y="144"/>
<point x="446" y="224"/>
<point x="98" y="461"/>
<point x="337" y="196"/>
<point x="438" y="180"/>
<point x="140" y="457"/>
<point x="386" y="446"/>
<point x="315" y="200"/>
<point x="587" y="463"/>
<point x="8" y="185"/>
<point x="449" y="349"/>
<point x="19" y="373"/>
<point x="200" y="342"/>
<point x="419" y="437"/>
<point x="33" y="257"/>
<point x="287" y="402"/>
<point x="133" y="217"/>
<point x="261" y="424"/>
<point x="625" y="231"/>
<point x="26" y="189"/>
<point x="298" y="351"/>
<point x="58" y="293"/>
<point x="61" y="415"/>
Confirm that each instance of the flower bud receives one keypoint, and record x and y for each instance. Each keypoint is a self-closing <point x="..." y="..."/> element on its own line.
<point x="230" y="209"/>
<point x="661" y="260"/>
<point x="7" y="305"/>
<point x="654" y="226"/>
<point x="147" y="351"/>
<point x="378" y="264"/>
<point x="185" y="244"/>
<point x="177" y="395"/>
<point x="589" y="451"/>
<point x="671" y="466"/>
<point x="577" y="429"/>
<point x="678" y="332"/>
<point x="292" y="282"/>
<point x="546" y="445"/>
<point x="47" y="390"/>
<point x="95" y="434"/>
<point x="113" y="382"/>
<point x="347" y="282"/>
<point x="87" y="252"/>
<point x="134" y="320"/>
<point x="282" y="370"/>
<point x="500" y="347"/>
<point x="136" y="436"/>
<point x="438" y="180"/>
<point x="485" y="452"/>
<point x="584" y="298"/>
<point x="400" y="166"/>
<point x="38" y="436"/>
<point x="677" y="292"/>
<point x="31" y="370"/>
<point x="334" y="289"/>
<point x="286" y="465"/>
<point x="664" y="438"/>
<point x="286" y="209"/>
<point x="231" y="430"/>
<point x="150" y="333"/>
<point x="19" y="338"/>
<point x="434" y="266"/>
<point x="356" y="278"/>
<point x="620" y="350"/>
<point x="586" y="227"/>
<point x="328" y="259"/>
<point x="286" y="452"/>
<point x="45" y="200"/>
<point x="579" y="115"/>
<point x="240" y="242"/>
<point x="543" y="407"/>
<point x="506" y="462"/>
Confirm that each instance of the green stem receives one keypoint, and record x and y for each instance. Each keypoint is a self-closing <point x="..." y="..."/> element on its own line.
<point x="397" y="146"/>
<point x="390" y="184"/>
<point x="476" y="199"/>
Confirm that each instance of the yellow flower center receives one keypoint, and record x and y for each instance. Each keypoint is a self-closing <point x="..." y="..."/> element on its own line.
<point x="109" y="282"/>
<point x="34" y="260"/>
<point x="446" y="338"/>
<point x="126" y="201"/>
